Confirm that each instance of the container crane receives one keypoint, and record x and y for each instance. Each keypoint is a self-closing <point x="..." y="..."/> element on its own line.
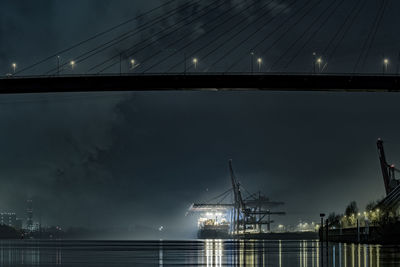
<point x="388" y="170"/>
<point x="253" y="210"/>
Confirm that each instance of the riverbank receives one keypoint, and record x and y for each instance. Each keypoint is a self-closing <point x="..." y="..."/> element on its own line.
<point x="387" y="234"/>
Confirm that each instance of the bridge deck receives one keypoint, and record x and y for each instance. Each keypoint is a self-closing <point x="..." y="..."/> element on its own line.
<point x="194" y="81"/>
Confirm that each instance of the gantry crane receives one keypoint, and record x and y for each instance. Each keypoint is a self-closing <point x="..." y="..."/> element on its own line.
<point x="252" y="211"/>
<point x="388" y="170"/>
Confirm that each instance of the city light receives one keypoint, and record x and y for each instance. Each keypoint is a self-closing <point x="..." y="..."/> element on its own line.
<point x="58" y="65"/>
<point x="14" y="66"/>
<point x="259" y="62"/>
<point x="72" y="63"/>
<point x="385" y="65"/>
<point x="195" y="61"/>
<point x="319" y="61"/>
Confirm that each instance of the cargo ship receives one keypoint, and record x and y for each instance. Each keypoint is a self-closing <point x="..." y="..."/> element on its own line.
<point x="246" y="217"/>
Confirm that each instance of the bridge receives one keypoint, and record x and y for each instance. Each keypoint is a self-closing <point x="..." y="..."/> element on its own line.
<point x="280" y="47"/>
<point x="210" y="82"/>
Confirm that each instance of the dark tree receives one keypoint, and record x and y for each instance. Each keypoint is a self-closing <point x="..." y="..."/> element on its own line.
<point x="351" y="209"/>
<point x="334" y="220"/>
<point x="371" y="205"/>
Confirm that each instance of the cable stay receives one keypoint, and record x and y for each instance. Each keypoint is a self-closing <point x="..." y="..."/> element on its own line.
<point x="170" y="46"/>
<point x="313" y="34"/>
<point x="129" y="51"/>
<point x="263" y="25"/>
<point x="342" y="29"/>
<point x="304" y="33"/>
<point x="378" y="24"/>
<point x="233" y="27"/>
<point x="111" y="29"/>
<point x="125" y="36"/>
<point x="369" y="36"/>
<point x="267" y="36"/>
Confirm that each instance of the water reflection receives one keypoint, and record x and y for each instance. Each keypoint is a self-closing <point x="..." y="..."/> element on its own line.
<point x="298" y="253"/>
<point x="200" y="253"/>
<point x="213" y="249"/>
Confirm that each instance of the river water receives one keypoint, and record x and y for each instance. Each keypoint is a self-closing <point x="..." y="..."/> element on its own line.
<point x="194" y="253"/>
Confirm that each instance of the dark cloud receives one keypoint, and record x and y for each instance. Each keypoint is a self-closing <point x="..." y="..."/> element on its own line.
<point x="98" y="160"/>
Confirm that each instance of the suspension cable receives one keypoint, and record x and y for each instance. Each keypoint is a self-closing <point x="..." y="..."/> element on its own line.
<point x="284" y="23"/>
<point x="327" y="18"/>
<point x="111" y="29"/>
<point x="304" y="33"/>
<point x="264" y="24"/>
<point x="126" y="35"/>
<point x="222" y="35"/>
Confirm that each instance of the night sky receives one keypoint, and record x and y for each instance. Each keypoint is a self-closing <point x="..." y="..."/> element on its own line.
<point x="122" y="159"/>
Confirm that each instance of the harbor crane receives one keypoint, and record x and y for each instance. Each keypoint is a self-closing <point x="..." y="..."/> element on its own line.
<point x="251" y="212"/>
<point x="388" y="170"/>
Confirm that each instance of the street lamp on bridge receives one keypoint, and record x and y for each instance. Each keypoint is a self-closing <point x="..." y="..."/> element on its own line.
<point x="72" y="63"/>
<point x="252" y="61"/>
<point x="385" y="65"/>
<point x="319" y="62"/>
<point x="259" y="62"/>
<point x="195" y="61"/>
<point x="14" y="66"/>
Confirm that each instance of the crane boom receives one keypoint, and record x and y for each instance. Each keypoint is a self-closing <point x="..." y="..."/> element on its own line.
<point x="233" y="180"/>
<point x="384" y="165"/>
<point x="236" y="187"/>
<point x="388" y="170"/>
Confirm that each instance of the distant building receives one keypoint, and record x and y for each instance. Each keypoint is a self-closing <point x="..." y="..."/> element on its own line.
<point x="34" y="227"/>
<point x="18" y="224"/>
<point x="9" y="219"/>
<point x="29" y="214"/>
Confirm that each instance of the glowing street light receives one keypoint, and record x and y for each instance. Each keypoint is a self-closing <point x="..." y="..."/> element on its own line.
<point x="259" y="62"/>
<point x="385" y="65"/>
<point x="14" y="66"/>
<point x="195" y="61"/>
<point x="319" y="61"/>
<point x="72" y="63"/>
<point x="133" y="62"/>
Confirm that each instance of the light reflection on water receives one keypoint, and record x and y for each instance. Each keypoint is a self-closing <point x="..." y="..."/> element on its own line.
<point x="195" y="253"/>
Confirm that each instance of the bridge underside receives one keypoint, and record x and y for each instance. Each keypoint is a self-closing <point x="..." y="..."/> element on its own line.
<point x="193" y="81"/>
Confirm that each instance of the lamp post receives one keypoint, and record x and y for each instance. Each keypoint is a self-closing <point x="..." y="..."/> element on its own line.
<point x="314" y="61"/>
<point x="259" y="62"/>
<point x="14" y="66"/>
<point x="319" y="61"/>
<point x="72" y="63"/>
<point x="321" y="239"/>
<point x="252" y="61"/>
<point x="358" y="228"/>
<point x="132" y="63"/>
<point x="195" y="61"/>
<point x="385" y="65"/>
<point x="58" y="65"/>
